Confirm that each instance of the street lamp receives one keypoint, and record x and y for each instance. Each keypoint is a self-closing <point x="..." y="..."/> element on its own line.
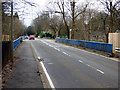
<point x="12" y="36"/>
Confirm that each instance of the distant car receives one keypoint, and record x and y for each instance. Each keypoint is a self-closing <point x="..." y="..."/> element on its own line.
<point x="26" y="37"/>
<point x="31" y="37"/>
<point x="38" y="36"/>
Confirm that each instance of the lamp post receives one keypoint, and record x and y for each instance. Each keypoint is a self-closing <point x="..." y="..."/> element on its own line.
<point x="12" y="36"/>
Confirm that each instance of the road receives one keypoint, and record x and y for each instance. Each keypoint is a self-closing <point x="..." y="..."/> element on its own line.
<point x="69" y="67"/>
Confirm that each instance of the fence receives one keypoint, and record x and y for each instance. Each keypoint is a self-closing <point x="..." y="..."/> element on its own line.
<point x="17" y="42"/>
<point x="114" y="38"/>
<point x="103" y="47"/>
<point x="6" y="54"/>
<point x="6" y="50"/>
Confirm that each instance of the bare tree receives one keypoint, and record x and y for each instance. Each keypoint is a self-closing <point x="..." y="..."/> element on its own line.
<point x="69" y="9"/>
<point x="7" y="14"/>
<point x="113" y="11"/>
<point x="56" y="24"/>
<point x="61" y="5"/>
<point x="75" y="12"/>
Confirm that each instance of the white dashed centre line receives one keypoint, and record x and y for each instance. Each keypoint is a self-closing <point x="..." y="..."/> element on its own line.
<point x="80" y="61"/>
<point x="50" y="63"/>
<point x="65" y="53"/>
<point x="100" y="71"/>
<point x="57" y="49"/>
<point x="92" y="67"/>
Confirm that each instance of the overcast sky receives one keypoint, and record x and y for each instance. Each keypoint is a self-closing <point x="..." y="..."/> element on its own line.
<point x="32" y="11"/>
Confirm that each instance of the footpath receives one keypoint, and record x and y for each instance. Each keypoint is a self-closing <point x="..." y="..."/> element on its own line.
<point x="26" y="73"/>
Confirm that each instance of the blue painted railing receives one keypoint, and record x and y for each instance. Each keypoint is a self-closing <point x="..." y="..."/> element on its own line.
<point x="17" y="42"/>
<point x="103" y="47"/>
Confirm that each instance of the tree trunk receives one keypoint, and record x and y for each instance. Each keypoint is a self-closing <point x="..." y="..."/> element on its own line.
<point x="58" y="33"/>
<point x="68" y="32"/>
<point x="90" y="26"/>
<point x="73" y="18"/>
<point x="106" y="37"/>
<point x="111" y="18"/>
<point x="84" y="28"/>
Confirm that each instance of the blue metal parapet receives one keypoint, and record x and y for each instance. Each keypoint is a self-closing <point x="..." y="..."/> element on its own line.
<point x="17" y="42"/>
<point x="103" y="47"/>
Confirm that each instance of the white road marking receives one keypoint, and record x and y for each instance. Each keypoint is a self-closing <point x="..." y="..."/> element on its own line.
<point x="80" y="61"/>
<point x="100" y="71"/>
<point x="113" y="59"/>
<point x="50" y="63"/>
<point x="51" y="46"/>
<point x="38" y="58"/>
<point x="88" y="65"/>
<point x="92" y="67"/>
<point x="46" y="43"/>
<point x="95" y="68"/>
<point x="44" y="69"/>
<point x="57" y="49"/>
<point x="47" y="75"/>
<point x="65" y="53"/>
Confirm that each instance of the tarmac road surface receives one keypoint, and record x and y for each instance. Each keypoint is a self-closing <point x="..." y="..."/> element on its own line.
<point x="70" y="67"/>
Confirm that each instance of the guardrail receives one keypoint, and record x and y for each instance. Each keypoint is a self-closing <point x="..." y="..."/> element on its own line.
<point x="103" y="47"/>
<point x="17" y="42"/>
<point x="117" y="50"/>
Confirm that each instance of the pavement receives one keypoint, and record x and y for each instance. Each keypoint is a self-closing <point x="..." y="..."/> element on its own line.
<point x="26" y="73"/>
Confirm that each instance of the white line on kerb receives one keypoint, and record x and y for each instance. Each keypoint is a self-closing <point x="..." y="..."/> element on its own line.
<point x="47" y="75"/>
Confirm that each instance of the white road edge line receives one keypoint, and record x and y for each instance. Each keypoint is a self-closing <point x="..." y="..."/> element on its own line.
<point x="44" y="69"/>
<point x="47" y="75"/>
